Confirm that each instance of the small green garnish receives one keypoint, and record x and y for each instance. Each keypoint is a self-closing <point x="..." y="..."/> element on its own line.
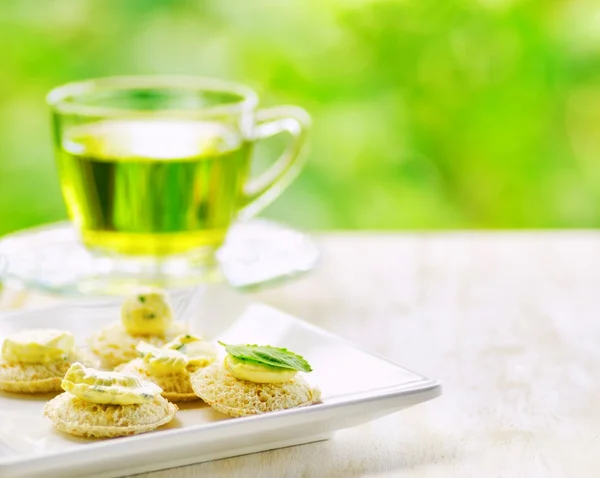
<point x="150" y="316"/>
<point x="267" y="355"/>
<point x="142" y="299"/>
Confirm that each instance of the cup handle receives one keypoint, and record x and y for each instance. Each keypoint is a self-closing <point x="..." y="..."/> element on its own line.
<point x="260" y="191"/>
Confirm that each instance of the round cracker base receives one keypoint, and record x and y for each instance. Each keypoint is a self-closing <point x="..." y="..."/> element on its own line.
<point x="37" y="386"/>
<point x="176" y="386"/>
<point x="226" y="394"/>
<point x="40" y="378"/>
<point x="113" y="345"/>
<point x="93" y="420"/>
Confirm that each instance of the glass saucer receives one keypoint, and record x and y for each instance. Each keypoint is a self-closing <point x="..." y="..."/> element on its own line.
<point x="258" y="252"/>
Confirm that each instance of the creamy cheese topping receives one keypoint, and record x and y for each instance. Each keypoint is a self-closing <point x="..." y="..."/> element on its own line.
<point x="95" y="386"/>
<point x="175" y="356"/>
<point x="147" y="313"/>
<point x="38" y="346"/>
<point x="258" y="373"/>
<point x="162" y="361"/>
<point x="199" y="352"/>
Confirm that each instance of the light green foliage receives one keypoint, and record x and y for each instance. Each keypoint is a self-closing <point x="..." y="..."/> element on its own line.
<point x="427" y="113"/>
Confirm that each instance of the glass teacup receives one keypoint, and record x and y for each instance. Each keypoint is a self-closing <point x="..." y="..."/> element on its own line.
<point x="154" y="170"/>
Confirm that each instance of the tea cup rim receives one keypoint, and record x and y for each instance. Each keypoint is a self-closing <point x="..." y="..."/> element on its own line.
<point x="60" y="98"/>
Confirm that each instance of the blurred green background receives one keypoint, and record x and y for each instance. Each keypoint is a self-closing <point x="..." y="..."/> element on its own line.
<point x="427" y="113"/>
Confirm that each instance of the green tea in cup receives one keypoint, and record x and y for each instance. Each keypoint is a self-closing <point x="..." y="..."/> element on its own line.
<point x="155" y="166"/>
<point x="153" y="187"/>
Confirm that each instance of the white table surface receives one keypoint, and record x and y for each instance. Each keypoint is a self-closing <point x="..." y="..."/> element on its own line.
<point x="510" y="322"/>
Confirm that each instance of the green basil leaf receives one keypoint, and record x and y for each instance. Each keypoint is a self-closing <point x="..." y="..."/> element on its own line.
<point x="267" y="355"/>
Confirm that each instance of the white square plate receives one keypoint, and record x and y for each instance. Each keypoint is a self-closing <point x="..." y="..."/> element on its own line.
<point x="356" y="387"/>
